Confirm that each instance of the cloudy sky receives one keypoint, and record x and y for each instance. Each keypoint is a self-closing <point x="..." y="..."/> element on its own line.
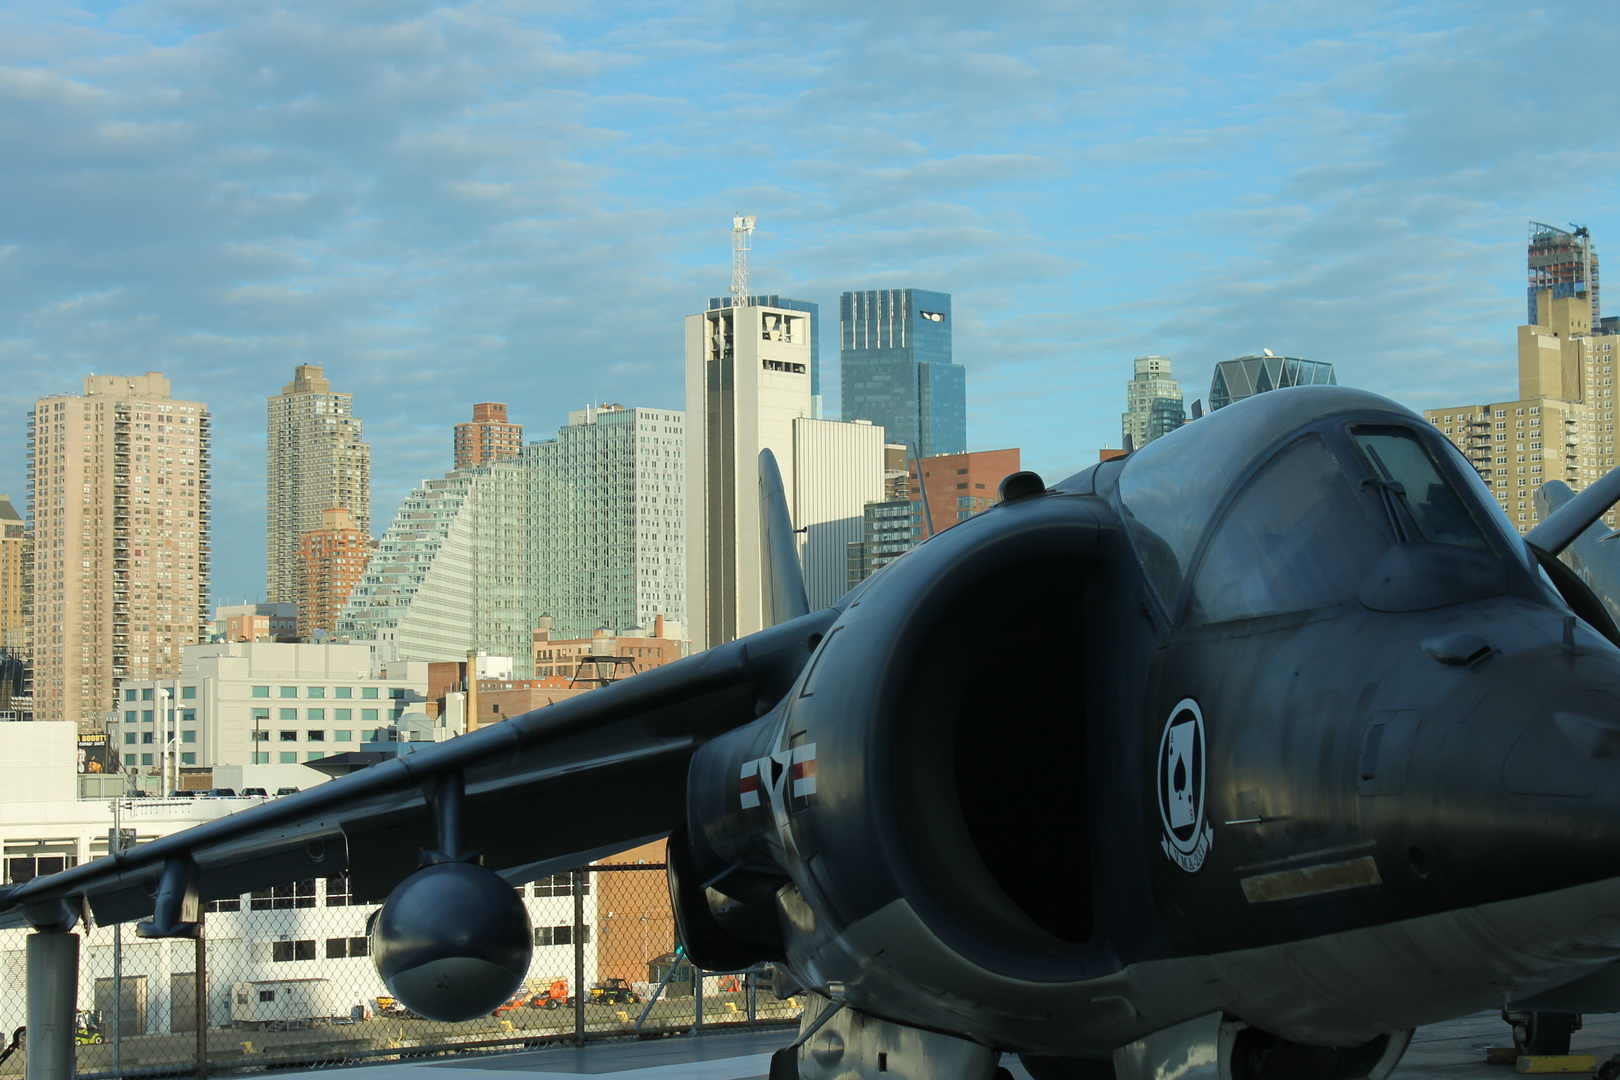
<point x="519" y="201"/>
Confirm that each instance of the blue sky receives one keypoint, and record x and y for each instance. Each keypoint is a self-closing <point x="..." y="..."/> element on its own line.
<point x="519" y="201"/>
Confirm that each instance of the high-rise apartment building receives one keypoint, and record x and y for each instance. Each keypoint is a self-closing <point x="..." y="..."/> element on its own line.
<point x="1561" y="427"/>
<point x="487" y="437"/>
<point x="889" y="529"/>
<point x="16" y="579"/>
<point x="118" y="496"/>
<point x="334" y="557"/>
<point x="588" y="529"/>
<point x="612" y="531"/>
<point x="896" y="368"/>
<point x="1564" y="263"/>
<point x="1153" y="402"/>
<point x="315" y="460"/>
<point x="1246" y="376"/>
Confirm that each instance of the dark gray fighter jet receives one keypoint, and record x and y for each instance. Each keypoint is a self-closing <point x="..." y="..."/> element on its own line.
<point x="1309" y="748"/>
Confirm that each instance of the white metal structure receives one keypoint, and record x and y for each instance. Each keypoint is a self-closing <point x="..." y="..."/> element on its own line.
<point x="742" y="231"/>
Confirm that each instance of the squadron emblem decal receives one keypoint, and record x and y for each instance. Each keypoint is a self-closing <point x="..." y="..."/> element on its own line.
<point x="1180" y="774"/>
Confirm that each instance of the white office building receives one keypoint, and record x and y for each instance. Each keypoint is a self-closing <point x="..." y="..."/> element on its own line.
<point x="307" y="935"/>
<point x="265" y="708"/>
<point x="837" y="469"/>
<point x="747" y="390"/>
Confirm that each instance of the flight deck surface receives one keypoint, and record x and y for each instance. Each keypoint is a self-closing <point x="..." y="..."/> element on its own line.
<point x="1449" y="1051"/>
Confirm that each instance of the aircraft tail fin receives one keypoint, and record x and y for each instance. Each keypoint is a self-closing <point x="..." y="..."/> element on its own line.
<point x="785" y="596"/>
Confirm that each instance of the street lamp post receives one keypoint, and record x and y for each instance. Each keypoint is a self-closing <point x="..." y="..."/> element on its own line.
<point x="163" y="739"/>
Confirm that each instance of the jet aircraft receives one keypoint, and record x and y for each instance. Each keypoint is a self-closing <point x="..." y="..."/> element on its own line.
<point x="1237" y="758"/>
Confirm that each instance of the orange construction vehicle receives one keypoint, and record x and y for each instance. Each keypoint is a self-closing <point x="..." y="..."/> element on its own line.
<point x="552" y="997"/>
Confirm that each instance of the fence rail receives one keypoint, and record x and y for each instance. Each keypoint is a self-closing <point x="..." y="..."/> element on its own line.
<point x="281" y="979"/>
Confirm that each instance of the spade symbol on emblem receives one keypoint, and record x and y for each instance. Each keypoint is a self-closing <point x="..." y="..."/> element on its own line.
<point x="1179" y="747"/>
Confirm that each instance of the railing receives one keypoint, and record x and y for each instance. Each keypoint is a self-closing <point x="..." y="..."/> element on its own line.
<point x="608" y="927"/>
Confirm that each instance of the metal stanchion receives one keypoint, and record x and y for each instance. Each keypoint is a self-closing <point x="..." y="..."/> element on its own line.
<point x="200" y="993"/>
<point x="580" y="993"/>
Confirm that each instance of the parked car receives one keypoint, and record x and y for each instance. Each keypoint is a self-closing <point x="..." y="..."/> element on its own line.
<point x="220" y="793"/>
<point x="182" y="793"/>
<point x="286" y="791"/>
<point x="254" y="793"/>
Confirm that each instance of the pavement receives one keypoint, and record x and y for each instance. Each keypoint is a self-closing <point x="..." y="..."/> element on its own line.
<point x="1451" y="1051"/>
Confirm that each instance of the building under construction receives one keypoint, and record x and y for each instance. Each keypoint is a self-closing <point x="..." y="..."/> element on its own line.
<point x="1566" y="263"/>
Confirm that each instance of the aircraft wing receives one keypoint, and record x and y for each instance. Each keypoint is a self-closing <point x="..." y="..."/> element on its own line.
<point x="545" y="791"/>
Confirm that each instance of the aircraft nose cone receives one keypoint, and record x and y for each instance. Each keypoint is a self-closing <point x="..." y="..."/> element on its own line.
<point x="1568" y="751"/>
<point x="1524" y="793"/>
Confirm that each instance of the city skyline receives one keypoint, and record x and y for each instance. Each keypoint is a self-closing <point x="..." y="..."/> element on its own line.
<point x="1339" y="185"/>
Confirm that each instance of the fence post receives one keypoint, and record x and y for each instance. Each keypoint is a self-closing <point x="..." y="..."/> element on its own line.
<point x="752" y="977"/>
<point x="580" y="992"/>
<point x="199" y="985"/>
<point x="115" y="844"/>
<point x="697" y="997"/>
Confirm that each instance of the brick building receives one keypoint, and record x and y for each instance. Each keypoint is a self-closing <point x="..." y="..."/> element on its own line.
<point x="487" y="436"/>
<point x="957" y="486"/>
<point x="603" y="657"/>
<point x="331" y="560"/>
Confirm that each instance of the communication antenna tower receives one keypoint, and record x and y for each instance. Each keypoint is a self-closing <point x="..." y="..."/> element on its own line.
<point x="742" y="228"/>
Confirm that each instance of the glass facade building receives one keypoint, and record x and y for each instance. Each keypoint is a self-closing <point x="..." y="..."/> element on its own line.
<point x="588" y="528"/>
<point x="896" y="368"/>
<point x="1249" y="375"/>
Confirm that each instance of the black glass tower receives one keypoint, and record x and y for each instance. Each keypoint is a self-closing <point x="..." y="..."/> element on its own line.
<point x="896" y="369"/>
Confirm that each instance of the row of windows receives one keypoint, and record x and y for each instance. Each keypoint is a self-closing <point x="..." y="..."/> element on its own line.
<point x="342" y="716"/>
<point x="186" y="716"/>
<point x="561" y="935"/>
<point x="188" y="757"/>
<point x="294" y="894"/>
<point x="342" y="693"/>
<point x="134" y="738"/>
<point x="186" y="693"/>
<point x="317" y="735"/>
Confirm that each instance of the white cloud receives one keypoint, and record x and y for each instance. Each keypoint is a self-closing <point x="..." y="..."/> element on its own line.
<point x="505" y="200"/>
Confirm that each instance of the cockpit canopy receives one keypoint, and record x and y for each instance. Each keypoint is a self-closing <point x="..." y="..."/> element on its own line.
<point x="1284" y="501"/>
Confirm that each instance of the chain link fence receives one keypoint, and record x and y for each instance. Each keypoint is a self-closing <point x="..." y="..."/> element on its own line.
<point x="281" y="978"/>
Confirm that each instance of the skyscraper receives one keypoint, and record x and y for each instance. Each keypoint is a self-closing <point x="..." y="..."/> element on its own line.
<point x="612" y="548"/>
<point x="896" y="369"/>
<point x="334" y="557"/>
<point x="1152" y="402"/>
<point x="747" y="380"/>
<point x="1565" y="264"/>
<point x="118" y="494"/>
<point x="315" y="461"/>
<point x="487" y="436"/>
<point x="747" y="390"/>
<point x="16" y="579"/>
<point x="810" y="308"/>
